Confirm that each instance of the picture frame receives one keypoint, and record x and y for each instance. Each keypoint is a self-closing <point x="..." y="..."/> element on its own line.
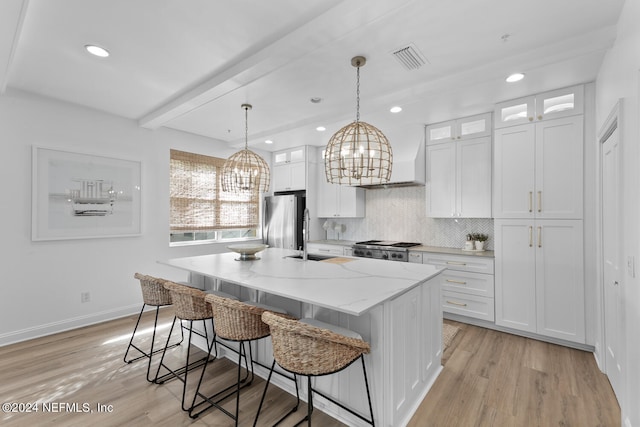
<point x="83" y="196"/>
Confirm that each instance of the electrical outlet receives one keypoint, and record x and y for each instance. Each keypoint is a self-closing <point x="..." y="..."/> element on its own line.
<point x="85" y="297"/>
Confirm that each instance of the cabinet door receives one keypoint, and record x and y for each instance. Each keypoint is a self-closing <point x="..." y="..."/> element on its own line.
<point x="441" y="180"/>
<point x="514" y="112"/>
<point x="514" y="169"/>
<point x="351" y="202"/>
<point x="560" y="279"/>
<point x="281" y="178"/>
<point x="473" y="183"/>
<point x="297" y="176"/>
<point x="560" y="103"/>
<point x="327" y="202"/>
<point x="559" y="164"/>
<point x="474" y="126"/>
<point x="441" y="132"/>
<point x="515" y="278"/>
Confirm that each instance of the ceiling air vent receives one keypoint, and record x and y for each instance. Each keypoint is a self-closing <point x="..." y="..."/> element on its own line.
<point x="410" y="57"/>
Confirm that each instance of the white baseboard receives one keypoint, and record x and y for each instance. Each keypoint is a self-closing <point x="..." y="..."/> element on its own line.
<point x="65" y="325"/>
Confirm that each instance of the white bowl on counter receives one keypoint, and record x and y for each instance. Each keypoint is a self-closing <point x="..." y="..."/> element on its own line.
<point x="247" y="251"/>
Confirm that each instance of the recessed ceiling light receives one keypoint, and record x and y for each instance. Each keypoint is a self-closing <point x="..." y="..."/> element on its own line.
<point x="515" y="77"/>
<point x="97" y="50"/>
<point x="321" y="128"/>
<point x="396" y="109"/>
<point x="316" y="100"/>
<point x="268" y="141"/>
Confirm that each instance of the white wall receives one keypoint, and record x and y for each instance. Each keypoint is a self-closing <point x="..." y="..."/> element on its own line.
<point x="618" y="78"/>
<point x="42" y="281"/>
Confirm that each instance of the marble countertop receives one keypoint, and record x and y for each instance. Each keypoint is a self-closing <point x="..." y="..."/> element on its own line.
<point x="346" y="284"/>
<point x="453" y="251"/>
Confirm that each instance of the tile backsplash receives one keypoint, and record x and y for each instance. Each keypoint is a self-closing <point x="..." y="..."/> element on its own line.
<point x="399" y="213"/>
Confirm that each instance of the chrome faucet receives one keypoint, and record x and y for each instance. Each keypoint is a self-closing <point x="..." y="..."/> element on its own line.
<point x="305" y="233"/>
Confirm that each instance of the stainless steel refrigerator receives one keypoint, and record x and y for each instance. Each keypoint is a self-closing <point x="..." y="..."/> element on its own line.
<point x="283" y="220"/>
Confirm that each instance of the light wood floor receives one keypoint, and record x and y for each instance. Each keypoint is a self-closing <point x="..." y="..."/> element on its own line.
<point x="489" y="379"/>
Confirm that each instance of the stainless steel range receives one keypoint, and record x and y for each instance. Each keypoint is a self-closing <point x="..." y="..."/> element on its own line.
<point x="382" y="249"/>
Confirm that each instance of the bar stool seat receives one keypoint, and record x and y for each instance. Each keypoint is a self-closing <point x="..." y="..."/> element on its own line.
<point x="310" y="348"/>
<point x="190" y="305"/>
<point x="153" y="294"/>
<point x="240" y="322"/>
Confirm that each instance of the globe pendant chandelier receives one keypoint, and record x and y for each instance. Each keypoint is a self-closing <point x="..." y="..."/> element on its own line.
<point x="359" y="153"/>
<point x="245" y="171"/>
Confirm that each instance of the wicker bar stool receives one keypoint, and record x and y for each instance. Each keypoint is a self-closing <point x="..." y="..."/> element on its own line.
<point x="189" y="306"/>
<point x="312" y="348"/>
<point x="153" y="294"/>
<point x="240" y="322"/>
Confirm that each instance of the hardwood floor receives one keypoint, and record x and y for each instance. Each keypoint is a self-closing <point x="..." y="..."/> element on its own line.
<point x="495" y="379"/>
<point x="489" y="379"/>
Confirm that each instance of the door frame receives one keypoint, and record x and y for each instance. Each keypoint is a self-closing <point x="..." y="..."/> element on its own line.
<point x="612" y="123"/>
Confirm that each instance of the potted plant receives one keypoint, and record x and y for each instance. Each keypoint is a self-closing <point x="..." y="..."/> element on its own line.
<point x="480" y="238"/>
<point x="469" y="244"/>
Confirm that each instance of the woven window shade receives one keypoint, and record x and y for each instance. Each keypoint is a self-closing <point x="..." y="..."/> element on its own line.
<point x="197" y="202"/>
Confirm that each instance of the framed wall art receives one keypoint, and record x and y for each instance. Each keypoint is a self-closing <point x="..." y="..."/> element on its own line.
<point x="82" y="196"/>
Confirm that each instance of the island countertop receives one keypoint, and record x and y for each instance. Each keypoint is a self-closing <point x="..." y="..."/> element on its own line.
<point x="345" y="284"/>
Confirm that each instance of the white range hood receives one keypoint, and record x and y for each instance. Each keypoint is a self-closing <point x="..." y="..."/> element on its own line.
<point x="409" y="161"/>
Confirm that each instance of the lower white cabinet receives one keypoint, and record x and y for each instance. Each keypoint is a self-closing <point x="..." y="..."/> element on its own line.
<point x="540" y="277"/>
<point x="467" y="284"/>
<point x="328" y="249"/>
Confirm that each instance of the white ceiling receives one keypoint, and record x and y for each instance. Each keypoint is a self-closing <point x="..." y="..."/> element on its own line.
<point x="189" y="65"/>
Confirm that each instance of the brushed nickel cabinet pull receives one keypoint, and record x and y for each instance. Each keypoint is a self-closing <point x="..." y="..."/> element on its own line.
<point x="539" y="237"/>
<point x="530" y="201"/>
<point x="456" y="263"/>
<point x="539" y="201"/>
<point x="460" y="282"/>
<point x="456" y="303"/>
<point x="530" y="236"/>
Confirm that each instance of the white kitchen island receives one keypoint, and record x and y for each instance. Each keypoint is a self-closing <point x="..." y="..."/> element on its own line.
<point x="395" y="306"/>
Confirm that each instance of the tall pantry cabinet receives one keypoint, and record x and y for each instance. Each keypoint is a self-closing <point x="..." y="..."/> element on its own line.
<point x="538" y="211"/>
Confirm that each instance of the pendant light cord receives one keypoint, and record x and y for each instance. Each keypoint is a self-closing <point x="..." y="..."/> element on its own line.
<point x="358" y="92"/>
<point x="246" y="127"/>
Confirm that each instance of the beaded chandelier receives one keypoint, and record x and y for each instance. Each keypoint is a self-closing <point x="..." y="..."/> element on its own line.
<point x="245" y="171"/>
<point x="359" y="153"/>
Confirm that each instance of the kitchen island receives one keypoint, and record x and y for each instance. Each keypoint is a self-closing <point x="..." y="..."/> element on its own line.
<point x="394" y="306"/>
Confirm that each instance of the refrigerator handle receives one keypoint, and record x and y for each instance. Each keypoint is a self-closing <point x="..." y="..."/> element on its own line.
<point x="265" y="216"/>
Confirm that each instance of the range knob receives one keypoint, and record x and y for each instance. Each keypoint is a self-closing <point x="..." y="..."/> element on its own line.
<point x="393" y="255"/>
<point x="368" y="253"/>
<point x="400" y="256"/>
<point x="385" y="256"/>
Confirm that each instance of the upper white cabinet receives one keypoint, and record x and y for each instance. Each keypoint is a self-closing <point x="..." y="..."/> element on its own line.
<point x="452" y="130"/>
<point x="538" y="170"/>
<point x="459" y="173"/>
<point x="289" y="169"/>
<point x="549" y="105"/>
<point x="335" y="200"/>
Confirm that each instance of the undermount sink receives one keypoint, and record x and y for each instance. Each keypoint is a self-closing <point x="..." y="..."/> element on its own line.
<point x="313" y="257"/>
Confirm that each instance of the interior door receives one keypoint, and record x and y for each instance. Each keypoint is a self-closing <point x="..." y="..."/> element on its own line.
<point x="613" y="308"/>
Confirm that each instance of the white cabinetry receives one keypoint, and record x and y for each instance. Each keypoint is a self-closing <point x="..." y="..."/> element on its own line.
<point x="289" y="169"/>
<point x="467" y="284"/>
<point x="335" y="200"/>
<point x="538" y="170"/>
<point x="468" y="127"/>
<point x="540" y="278"/>
<point x="459" y="179"/>
<point x="549" y="105"/>
<point x="328" y="249"/>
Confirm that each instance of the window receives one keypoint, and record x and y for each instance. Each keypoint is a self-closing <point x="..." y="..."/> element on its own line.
<point x="199" y="209"/>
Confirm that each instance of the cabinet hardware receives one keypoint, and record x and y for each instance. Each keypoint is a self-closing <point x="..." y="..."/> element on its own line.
<point x="456" y="303"/>
<point x="539" y="201"/>
<point x="530" y="201"/>
<point x="456" y="263"/>
<point x="540" y="117"/>
<point x="539" y="237"/>
<point x="530" y="119"/>
<point x="460" y="282"/>
<point x="530" y="236"/>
